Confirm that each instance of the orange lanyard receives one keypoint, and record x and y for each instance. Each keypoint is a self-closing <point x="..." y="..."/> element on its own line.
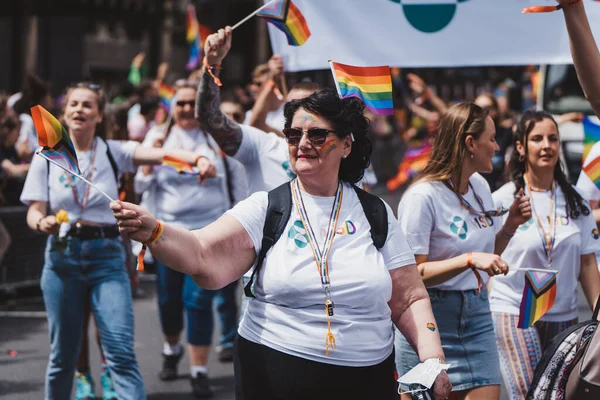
<point x="549" y="238"/>
<point x="89" y="178"/>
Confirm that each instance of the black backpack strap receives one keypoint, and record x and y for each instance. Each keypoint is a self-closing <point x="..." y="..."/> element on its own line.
<point x="278" y="214"/>
<point x="376" y="214"/>
<point x="112" y="161"/>
<point x="228" y="179"/>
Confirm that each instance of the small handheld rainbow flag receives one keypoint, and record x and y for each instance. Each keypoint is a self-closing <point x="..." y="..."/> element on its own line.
<point x="178" y="165"/>
<point x="54" y="139"/>
<point x="193" y="38"/>
<point x="538" y="297"/>
<point x="166" y="93"/>
<point x="287" y="18"/>
<point x="415" y="160"/>
<point x="591" y="132"/>
<point x="371" y="84"/>
<point x="592" y="170"/>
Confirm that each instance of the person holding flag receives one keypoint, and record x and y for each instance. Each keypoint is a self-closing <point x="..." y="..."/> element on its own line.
<point x="178" y="199"/>
<point x="85" y="257"/>
<point x="450" y="222"/>
<point x="554" y="250"/>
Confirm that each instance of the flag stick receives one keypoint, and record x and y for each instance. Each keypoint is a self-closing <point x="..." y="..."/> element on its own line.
<point x="337" y="85"/>
<point x="252" y="14"/>
<point x="534" y="269"/>
<point x="39" y="153"/>
<point x="284" y="87"/>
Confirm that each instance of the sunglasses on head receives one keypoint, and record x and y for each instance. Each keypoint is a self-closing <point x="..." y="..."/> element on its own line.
<point x="88" y="85"/>
<point x="316" y="136"/>
<point x="183" y="103"/>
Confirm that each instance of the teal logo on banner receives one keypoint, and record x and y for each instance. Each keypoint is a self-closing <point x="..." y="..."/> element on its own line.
<point x="427" y="17"/>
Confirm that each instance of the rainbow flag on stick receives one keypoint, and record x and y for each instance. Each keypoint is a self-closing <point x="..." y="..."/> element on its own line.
<point x="178" y="165"/>
<point x="373" y="85"/>
<point x="54" y="139"/>
<point x="286" y="17"/>
<point x="591" y="132"/>
<point x="592" y="170"/>
<point x="415" y="160"/>
<point x="166" y="94"/>
<point x="538" y="297"/>
<point x="193" y="38"/>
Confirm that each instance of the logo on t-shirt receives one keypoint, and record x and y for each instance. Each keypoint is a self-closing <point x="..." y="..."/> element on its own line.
<point x="298" y="234"/>
<point x="459" y="226"/>
<point x="525" y="225"/>
<point x="595" y="233"/>
<point x="347" y="228"/>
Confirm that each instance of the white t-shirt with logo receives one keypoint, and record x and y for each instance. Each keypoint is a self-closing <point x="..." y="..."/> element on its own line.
<point x="436" y="224"/>
<point x="288" y="313"/>
<point x="40" y="184"/>
<point x="585" y="185"/>
<point x="266" y="159"/>
<point x="574" y="237"/>
<point x="180" y="199"/>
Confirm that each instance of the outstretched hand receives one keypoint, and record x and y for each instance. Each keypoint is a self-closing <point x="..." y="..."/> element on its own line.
<point x="133" y="220"/>
<point x="217" y="46"/>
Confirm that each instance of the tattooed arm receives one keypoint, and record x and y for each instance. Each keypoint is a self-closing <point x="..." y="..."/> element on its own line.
<point x="226" y="132"/>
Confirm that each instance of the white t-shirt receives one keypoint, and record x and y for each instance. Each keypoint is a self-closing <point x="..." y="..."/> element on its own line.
<point x="436" y="224"/>
<point x="39" y="183"/>
<point x="274" y="119"/>
<point x="585" y="185"/>
<point x="574" y="237"/>
<point x="288" y="313"/>
<point x="266" y="159"/>
<point x="180" y="199"/>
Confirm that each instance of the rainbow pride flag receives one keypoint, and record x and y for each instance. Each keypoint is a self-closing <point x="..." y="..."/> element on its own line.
<point x="178" y="165"/>
<point x="373" y="85"/>
<point x="415" y="160"/>
<point x="166" y="94"/>
<point x="592" y="170"/>
<point x="193" y="38"/>
<point x="538" y="297"/>
<point x="591" y="132"/>
<point x="54" y="139"/>
<point x="286" y="17"/>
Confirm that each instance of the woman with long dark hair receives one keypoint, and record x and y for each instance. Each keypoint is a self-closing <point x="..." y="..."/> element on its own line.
<point x="561" y="236"/>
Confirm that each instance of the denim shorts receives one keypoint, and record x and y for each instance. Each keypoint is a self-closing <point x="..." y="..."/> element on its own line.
<point x="465" y="324"/>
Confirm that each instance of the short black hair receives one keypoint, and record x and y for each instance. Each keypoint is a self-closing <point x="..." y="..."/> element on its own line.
<point x="347" y="117"/>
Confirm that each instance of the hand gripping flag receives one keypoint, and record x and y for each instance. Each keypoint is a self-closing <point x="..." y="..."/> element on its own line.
<point x="538" y="297"/>
<point x="54" y="139"/>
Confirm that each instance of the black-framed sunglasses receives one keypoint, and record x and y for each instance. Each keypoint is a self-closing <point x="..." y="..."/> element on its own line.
<point x="183" y="103"/>
<point x="316" y="136"/>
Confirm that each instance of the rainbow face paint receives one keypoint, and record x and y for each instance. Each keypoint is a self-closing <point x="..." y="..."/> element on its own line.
<point x="329" y="146"/>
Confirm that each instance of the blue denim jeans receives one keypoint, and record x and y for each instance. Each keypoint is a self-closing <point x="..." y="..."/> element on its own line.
<point x="93" y="269"/>
<point x="177" y="291"/>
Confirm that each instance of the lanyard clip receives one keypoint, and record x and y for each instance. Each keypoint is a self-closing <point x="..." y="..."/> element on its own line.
<point x="329" y="305"/>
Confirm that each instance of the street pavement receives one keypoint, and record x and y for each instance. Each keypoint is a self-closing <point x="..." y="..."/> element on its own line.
<point x="24" y="353"/>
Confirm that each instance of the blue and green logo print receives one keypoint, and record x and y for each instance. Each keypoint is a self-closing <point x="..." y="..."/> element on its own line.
<point x="429" y="16"/>
<point x="459" y="227"/>
<point x="297" y="233"/>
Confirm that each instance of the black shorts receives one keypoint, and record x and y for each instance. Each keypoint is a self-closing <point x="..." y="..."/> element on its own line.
<point x="262" y="373"/>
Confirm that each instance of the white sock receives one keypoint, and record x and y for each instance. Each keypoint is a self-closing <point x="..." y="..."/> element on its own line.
<point x="199" y="369"/>
<point x="173" y="350"/>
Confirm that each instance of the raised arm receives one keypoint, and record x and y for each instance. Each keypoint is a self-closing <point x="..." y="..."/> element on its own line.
<point x="213" y="121"/>
<point x="213" y="256"/>
<point x="584" y="51"/>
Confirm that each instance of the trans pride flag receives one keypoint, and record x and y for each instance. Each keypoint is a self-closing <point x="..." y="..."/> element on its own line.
<point x="286" y="17"/>
<point x="538" y="297"/>
<point x="371" y="84"/>
<point x="54" y="139"/>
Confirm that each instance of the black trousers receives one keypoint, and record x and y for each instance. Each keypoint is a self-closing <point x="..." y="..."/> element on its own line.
<point x="262" y="373"/>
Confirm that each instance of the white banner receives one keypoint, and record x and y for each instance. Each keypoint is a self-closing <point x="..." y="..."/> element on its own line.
<point x="429" y="33"/>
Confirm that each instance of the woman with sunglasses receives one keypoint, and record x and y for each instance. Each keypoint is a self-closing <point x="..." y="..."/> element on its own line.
<point x="86" y="262"/>
<point x="561" y="236"/>
<point x="323" y="333"/>
<point x="450" y="222"/>
<point x="179" y="200"/>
